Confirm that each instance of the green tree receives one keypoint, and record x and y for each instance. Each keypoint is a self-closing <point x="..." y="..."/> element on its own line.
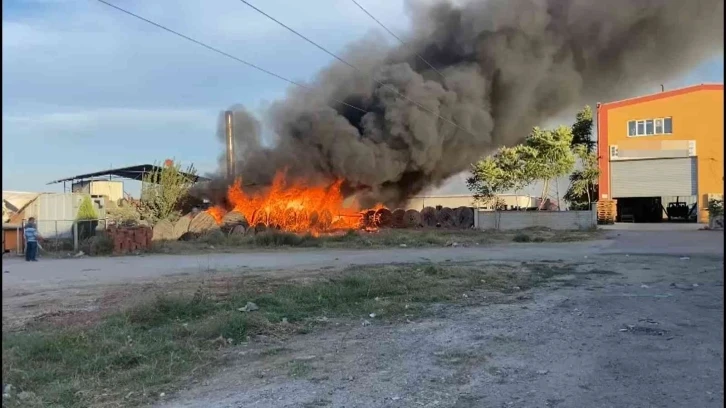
<point x="544" y="155"/>
<point x="162" y="189"/>
<point x="582" y="130"/>
<point x="550" y="155"/>
<point x="583" y="182"/>
<point x="86" y="210"/>
<point x="583" y="187"/>
<point x="86" y="219"/>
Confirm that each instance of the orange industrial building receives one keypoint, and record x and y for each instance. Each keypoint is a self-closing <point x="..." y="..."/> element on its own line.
<point x="661" y="155"/>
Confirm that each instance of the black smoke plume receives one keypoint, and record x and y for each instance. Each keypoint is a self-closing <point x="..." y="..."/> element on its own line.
<point x="502" y="67"/>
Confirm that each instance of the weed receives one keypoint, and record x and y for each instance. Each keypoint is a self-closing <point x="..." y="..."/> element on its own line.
<point x="131" y="356"/>
<point x="100" y="244"/>
<point x="299" y="369"/>
<point x="362" y="239"/>
<point x="274" y="351"/>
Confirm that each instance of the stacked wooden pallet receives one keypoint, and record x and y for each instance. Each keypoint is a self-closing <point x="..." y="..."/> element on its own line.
<point x="607" y="211"/>
<point x="130" y="239"/>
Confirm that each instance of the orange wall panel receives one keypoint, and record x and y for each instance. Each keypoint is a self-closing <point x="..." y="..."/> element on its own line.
<point x="697" y="114"/>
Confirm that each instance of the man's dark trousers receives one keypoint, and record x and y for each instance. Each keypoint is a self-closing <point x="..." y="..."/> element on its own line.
<point x="31" y="250"/>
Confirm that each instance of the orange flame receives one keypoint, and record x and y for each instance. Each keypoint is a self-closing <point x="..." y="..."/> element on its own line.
<point x="217" y="213"/>
<point x="293" y="206"/>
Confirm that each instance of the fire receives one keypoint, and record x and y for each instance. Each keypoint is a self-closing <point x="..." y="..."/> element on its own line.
<point x="295" y="206"/>
<point x="217" y="213"/>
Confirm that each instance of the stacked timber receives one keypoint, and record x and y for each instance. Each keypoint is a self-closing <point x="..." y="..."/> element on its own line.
<point x="429" y="217"/>
<point x="130" y="239"/>
<point x="233" y="219"/>
<point x="384" y="218"/>
<point x="163" y="231"/>
<point x="398" y="217"/>
<point x="445" y="218"/>
<point x="412" y="219"/>
<point x="181" y="227"/>
<point x="203" y="222"/>
<point x="464" y="217"/>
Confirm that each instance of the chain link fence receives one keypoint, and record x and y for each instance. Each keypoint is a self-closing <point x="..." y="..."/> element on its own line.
<point x="64" y="235"/>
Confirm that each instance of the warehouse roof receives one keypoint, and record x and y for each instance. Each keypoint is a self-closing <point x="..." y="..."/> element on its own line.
<point x="131" y="172"/>
<point x="662" y="95"/>
<point x="15" y="202"/>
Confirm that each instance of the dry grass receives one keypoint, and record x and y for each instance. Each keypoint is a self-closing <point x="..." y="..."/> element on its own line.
<point x="386" y="238"/>
<point x="129" y="357"/>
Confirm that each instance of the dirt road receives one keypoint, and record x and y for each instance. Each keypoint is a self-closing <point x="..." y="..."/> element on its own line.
<point x="639" y="325"/>
<point x="52" y="274"/>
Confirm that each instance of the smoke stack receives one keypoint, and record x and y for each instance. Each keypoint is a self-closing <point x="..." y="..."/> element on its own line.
<point x="230" y="144"/>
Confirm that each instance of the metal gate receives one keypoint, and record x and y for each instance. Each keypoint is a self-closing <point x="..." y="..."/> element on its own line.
<point x="654" y="178"/>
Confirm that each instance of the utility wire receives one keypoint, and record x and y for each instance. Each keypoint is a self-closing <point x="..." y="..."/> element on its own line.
<point x="396" y="37"/>
<point x="218" y="51"/>
<point x="320" y="47"/>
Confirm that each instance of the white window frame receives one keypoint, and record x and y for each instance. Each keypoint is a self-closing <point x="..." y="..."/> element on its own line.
<point x="664" y="119"/>
<point x="645" y="127"/>
<point x="635" y="129"/>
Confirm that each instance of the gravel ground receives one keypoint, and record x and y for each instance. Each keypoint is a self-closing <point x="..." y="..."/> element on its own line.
<point x="637" y="325"/>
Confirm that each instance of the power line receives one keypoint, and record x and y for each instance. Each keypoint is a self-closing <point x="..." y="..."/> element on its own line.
<point x="320" y="47"/>
<point x="218" y="51"/>
<point x="396" y="37"/>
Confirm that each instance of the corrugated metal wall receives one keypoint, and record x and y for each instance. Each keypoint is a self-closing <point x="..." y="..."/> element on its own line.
<point x="654" y="178"/>
<point x="114" y="190"/>
<point x="56" y="213"/>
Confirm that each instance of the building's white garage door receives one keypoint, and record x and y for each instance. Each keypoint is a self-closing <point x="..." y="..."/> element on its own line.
<point x="654" y="178"/>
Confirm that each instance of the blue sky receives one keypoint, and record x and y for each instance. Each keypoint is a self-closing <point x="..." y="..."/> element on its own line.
<point x="86" y="87"/>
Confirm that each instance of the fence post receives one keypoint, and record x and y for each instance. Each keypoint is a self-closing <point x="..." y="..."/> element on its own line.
<point x="75" y="236"/>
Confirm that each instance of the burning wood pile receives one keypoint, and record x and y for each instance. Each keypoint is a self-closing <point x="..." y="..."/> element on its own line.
<point x="301" y="208"/>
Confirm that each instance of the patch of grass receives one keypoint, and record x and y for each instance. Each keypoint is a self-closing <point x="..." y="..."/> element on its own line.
<point x="414" y="238"/>
<point x="128" y="358"/>
<point x="100" y="244"/>
<point x="321" y="402"/>
<point x="299" y="369"/>
<point x="274" y="351"/>
<point x="522" y="237"/>
<point x="597" y="271"/>
<point x="460" y="357"/>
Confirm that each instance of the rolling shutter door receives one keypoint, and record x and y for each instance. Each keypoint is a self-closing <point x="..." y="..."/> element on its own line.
<point x="654" y="178"/>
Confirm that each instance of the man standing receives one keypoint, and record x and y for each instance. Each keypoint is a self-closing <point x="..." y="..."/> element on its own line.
<point x="31" y="240"/>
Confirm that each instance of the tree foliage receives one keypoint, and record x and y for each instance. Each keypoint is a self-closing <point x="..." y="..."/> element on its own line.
<point x="162" y="190"/>
<point x="715" y="207"/>
<point x="582" y="130"/>
<point x="550" y="154"/>
<point x="544" y="155"/>
<point x="583" y="181"/>
<point x="86" y="210"/>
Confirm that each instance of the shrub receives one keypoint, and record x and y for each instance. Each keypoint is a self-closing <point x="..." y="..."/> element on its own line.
<point x="715" y="207"/>
<point x="101" y="244"/>
<point x="522" y="238"/>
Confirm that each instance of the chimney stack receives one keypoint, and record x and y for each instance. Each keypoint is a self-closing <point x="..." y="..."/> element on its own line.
<point x="230" y="145"/>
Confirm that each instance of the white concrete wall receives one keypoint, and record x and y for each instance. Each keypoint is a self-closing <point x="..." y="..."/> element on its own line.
<point x="515" y="220"/>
